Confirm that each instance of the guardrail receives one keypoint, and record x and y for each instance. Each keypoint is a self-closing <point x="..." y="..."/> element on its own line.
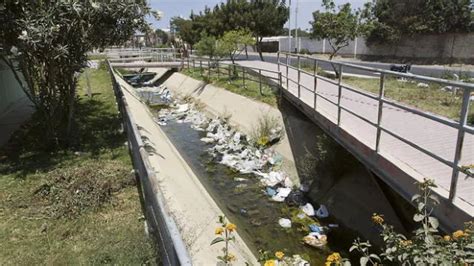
<point x="161" y="225"/>
<point x="461" y="125"/>
<point x="234" y="71"/>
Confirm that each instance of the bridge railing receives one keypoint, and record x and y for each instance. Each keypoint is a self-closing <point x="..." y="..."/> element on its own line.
<point x="292" y="62"/>
<point x="235" y="73"/>
<point x="161" y="225"/>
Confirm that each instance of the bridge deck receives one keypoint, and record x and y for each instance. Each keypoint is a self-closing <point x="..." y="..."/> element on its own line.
<point x="428" y="134"/>
<point x="140" y="64"/>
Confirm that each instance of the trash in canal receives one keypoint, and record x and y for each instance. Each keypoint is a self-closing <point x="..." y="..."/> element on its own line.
<point x="285" y="223"/>
<point x="239" y="152"/>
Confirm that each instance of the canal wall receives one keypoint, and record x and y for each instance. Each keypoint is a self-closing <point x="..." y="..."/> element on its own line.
<point x="188" y="202"/>
<point x="334" y="177"/>
<point x="243" y="113"/>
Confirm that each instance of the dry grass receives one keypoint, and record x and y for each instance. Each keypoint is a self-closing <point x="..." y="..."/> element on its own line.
<point x="75" y="206"/>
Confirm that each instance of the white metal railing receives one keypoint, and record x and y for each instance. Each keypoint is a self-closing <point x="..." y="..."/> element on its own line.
<point x="461" y="126"/>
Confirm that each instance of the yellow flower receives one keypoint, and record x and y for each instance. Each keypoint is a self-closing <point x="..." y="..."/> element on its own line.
<point x="279" y="255"/>
<point x="231" y="257"/>
<point x="447" y="238"/>
<point x="219" y="230"/>
<point x="269" y="263"/>
<point x="333" y="258"/>
<point x="377" y="218"/>
<point x="459" y="234"/>
<point x="231" y="227"/>
<point x="406" y="243"/>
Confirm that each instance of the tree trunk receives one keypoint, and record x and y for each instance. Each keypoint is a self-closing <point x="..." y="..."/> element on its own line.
<point x="259" y="42"/>
<point x="336" y="71"/>
<point x="70" y="119"/>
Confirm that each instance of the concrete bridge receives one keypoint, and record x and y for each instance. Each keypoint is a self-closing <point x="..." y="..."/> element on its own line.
<point x="401" y="144"/>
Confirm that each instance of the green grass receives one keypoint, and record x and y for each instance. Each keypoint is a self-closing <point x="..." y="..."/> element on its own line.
<point x="251" y="90"/>
<point x="97" y="57"/>
<point x="431" y="99"/>
<point x="64" y="207"/>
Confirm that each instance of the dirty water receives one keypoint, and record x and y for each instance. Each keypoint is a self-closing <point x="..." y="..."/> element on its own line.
<point x="241" y="198"/>
<point x="337" y="180"/>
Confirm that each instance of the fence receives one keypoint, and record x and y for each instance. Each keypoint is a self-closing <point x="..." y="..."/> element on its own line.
<point x="381" y="101"/>
<point x="235" y="72"/>
<point x="161" y="225"/>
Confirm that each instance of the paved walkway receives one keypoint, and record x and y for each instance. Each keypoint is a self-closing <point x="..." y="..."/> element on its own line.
<point x="428" y="134"/>
<point x="13" y="117"/>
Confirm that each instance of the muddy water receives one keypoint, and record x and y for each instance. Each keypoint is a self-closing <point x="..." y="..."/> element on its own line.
<point x="337" y="180"/>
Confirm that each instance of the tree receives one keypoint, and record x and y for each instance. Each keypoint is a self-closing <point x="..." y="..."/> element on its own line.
<point x="186" y="30"/>
<point x="385" y="21"/>
<point x="46" y="43"/>
<point x="266" y="18"/>
<point x="233" y="41"/>
<point x="338" y="27"/>
<point x="261" y="17"/>
<point x="207" y="46"/>
<point x="162" y="35"/>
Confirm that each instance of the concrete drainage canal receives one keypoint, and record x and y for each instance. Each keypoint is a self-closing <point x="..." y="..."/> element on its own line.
<point x="329" y="208"/>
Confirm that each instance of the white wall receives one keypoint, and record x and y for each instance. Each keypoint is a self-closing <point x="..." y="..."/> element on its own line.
<point x="10" y="90"/>
<point x="439" y="48"/>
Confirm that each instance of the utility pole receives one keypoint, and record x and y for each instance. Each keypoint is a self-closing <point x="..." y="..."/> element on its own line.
<point x="296" y="28"/>
<point x="289" y="26"/>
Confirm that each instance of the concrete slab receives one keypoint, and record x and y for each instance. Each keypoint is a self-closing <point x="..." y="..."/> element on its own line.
<point x="186" y="199"/>
<point x="244" y="112"/>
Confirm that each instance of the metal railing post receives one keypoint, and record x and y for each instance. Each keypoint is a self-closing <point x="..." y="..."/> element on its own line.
<point x="218" y="74"/>
<point x="280" y="80"/>
<point x="459" y="143"/>
<point x="315" y="66"/>
<point x="287" y="79"/>
<point x="380" y="110"/>
<point x="230" y="79"/>
<point x="243" y="76"/>
<point x="209" y="70"/>
<point x="200" y="64"/>
<point x="260" y="81"/>
<point x="339" y="96"/>
<point x="299" y="76"/>
<point x="278" y="60"/>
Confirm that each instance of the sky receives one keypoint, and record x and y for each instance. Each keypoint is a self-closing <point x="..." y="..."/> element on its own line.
<point x="171" y="8"/>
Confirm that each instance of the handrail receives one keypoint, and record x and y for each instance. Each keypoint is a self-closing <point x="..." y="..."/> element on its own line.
<point x="461" y="126"/>
<point x="164" y="229"/>
<point x="469" y="86"/>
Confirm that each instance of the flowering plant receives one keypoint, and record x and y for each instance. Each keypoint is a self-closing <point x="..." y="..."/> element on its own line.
<point x="225" y="234"/>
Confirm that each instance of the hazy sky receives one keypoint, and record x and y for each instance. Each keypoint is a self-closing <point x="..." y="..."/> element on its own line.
<point x="172" y="8"/>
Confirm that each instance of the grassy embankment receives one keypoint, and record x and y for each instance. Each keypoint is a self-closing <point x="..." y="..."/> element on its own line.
<point x="431" y="99"/>
<point x="235" y="85"/>
<point x="77" y="206"/>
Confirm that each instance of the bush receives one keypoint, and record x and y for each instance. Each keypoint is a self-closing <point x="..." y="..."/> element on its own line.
<point x="427" y="246"/>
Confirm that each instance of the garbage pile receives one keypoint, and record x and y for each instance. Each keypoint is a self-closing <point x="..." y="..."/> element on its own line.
<point x="238" y="151"/>
<point x="155" y="95"/>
